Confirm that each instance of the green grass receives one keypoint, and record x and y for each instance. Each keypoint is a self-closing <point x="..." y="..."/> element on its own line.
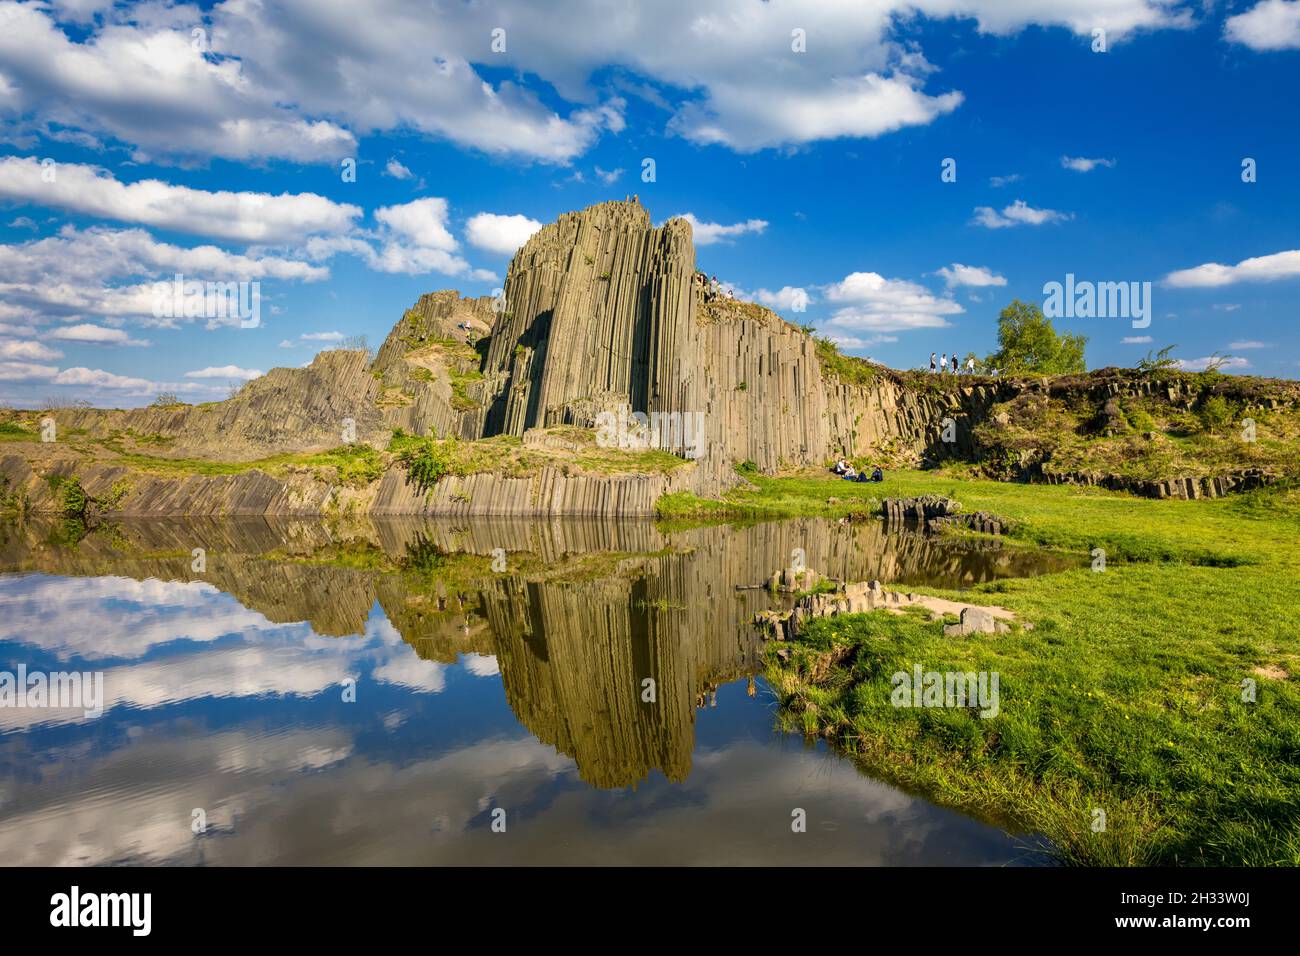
<point x="355" y="465"/>
<point x="847" y="368"/>
<point x="428" y="459"/>
<point x="1126" y="695"/>
<point x="775" y="498"/>
<point x="460" y="382"/>
<point x="357" y="554"/>
<point x="13" y="431"/>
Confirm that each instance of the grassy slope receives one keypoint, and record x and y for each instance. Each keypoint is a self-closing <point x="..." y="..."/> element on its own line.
<point x="1127" y="694"/>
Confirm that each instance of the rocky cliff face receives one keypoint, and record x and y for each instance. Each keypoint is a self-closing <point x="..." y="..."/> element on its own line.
<point x="429" y="369"/>
<point x="601" y="316"/>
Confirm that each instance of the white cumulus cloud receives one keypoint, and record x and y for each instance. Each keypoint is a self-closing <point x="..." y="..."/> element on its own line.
<point x="98" y="378"/>
<point x="28" y="350"/>
<point x="786" y="299"/>
<point x="1019" y="213"/>
<point x="243" y="216"/>
<point x="500" y="234"/>
<point x="145" y="83"/>
<point x="95" y="334"/>
<point x="1081" y="165"/>
<point x="1268" y="25"/>
<point x="871" y="302"/>
<point x="395" y="169"/>
<point x="226" y="372"/>
<point x="974" y="276"/>
<point x="708" y="233"/>
<point x="1201" y="364"/>
<point x="1279" y="265"/>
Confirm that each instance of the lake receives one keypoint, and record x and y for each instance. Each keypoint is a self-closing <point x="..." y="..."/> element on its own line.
<point x="393" y="692"/>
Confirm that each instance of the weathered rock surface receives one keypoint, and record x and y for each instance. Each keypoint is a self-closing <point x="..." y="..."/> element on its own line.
<point x="1210" y="486"/>
<point x="287" y="409"/>
<point x="548" y="493"/>
<point x="863" y="596"/>
<point x="790" y="580"/>
<point x="974" y="620"/>
<point x="920" y="509"/>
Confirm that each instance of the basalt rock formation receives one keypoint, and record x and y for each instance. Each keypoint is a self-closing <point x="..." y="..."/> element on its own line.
<point x="600" y="314"/>
<point x="602" y="321"/>
<point x="938" y="513"/>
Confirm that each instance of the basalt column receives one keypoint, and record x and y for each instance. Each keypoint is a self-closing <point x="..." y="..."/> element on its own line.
<point x="599" y="316"/>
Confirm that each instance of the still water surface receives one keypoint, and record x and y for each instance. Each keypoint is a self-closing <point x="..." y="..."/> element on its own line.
<point x="475" y="690"/>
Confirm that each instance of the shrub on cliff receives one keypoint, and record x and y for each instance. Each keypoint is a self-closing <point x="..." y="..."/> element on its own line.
<point x="426" y="460"/>
<point x="71" y="497"/>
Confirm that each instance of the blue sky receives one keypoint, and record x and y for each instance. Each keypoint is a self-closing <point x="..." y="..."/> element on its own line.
<point x="138" y="141"/>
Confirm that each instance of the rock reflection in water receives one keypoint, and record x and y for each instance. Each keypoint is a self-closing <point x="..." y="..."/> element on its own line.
<point x="575" y="641"/>
<point x="584" y="614"/>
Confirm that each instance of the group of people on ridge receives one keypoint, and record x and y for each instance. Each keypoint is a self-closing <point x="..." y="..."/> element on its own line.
<point x="710" y="288"/>
<point x="943" y="364"/>
<point x="849" y="473"/>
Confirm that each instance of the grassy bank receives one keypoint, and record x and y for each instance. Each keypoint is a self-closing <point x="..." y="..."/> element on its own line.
<point x="1125" y="697"/>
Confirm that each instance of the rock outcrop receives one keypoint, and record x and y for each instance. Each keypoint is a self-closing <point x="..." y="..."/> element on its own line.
<point x="862" y="596"/>
<point x="601" y="316"/>
<point x="1190" y="487"/>
<point x="286" y="410"/>
<point x="937" y="513"/>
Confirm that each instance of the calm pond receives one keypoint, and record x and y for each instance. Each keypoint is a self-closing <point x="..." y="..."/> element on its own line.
<point x="304" y="693"/>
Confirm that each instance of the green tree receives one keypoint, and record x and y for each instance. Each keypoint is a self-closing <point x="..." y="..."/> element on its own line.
<point x="1029" y="344"/>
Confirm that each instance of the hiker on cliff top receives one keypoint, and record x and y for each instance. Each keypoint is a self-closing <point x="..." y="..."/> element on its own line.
<point x="931" y="363"/>
<point x="954" y="363"/>
<point x="970" y="365"/>
<point x="943" y="363"/>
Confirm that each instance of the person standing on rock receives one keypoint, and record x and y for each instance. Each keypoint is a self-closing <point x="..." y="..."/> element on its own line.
<point x="931" y="363"/>
<point x="943" y="363"/>
<point x="954" y="363"/>
<point x="970" y="365"/>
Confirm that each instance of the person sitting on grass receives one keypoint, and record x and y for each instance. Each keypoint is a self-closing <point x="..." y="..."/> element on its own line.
<point x="840" y="466"/>
<point x="850" y="473"/>
<point x="877" y="474"/>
